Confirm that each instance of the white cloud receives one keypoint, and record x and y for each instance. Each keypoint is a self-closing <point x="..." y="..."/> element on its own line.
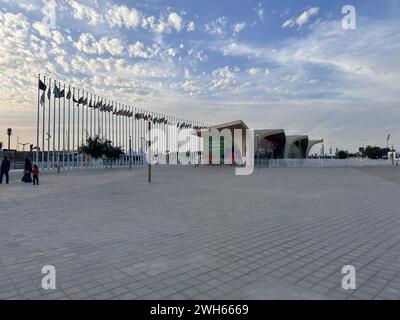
<point x="302" y="19"/>
<point x="83" y="12"/>
<point x="119" y="16"/>
<point x="149" y="22"/>
<point x="161" y="27"/>
<point x="288" y="23"/>
<point x="175" y="21"/>
<point x="217" y="27"/>
<point x="306" y="15"/>
<point x="87" y="43"/>
<point x="138" y="50"/>
<point x="58" y="37"/>
<point x="224" y="78"/>
<point x="43" y="29"/>
<point x="238" y="27"/>
<point x="172" y="52"/>
<point x="260" y="11"/>
<point x="253" y="71"/>
<point x="190" y="27"/>
<point x="187" y="73"/>
<point x="27" y="6"/>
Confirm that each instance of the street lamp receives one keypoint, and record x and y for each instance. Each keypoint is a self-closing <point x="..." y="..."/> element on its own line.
<point x="9" y="133"/>
<point x="23" y="146"/>
<point x="130" y="152"/>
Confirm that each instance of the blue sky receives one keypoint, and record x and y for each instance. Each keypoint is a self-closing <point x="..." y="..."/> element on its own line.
<point x="274" y="64"/>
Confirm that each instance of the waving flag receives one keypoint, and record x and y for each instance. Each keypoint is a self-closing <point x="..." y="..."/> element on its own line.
<point x="57" y="93"/>
<point x="42" y="86"/>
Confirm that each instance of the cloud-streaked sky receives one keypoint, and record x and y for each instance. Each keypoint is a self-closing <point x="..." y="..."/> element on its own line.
<point x="274" y="64"/>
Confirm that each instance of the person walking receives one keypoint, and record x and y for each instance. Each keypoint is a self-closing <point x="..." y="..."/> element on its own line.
<point x="27" y="171"/>
<point x="35" y="174"/>
<point x="5" y="169"/>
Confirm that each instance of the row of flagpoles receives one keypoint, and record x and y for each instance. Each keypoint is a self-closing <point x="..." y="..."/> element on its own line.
<point x="67" y="116"/>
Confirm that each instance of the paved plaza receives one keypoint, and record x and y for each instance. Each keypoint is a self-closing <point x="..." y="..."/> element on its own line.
<point x="202" y="233"/>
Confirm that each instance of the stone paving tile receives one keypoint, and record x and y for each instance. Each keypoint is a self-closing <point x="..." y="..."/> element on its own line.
<point x="202" y="233"/>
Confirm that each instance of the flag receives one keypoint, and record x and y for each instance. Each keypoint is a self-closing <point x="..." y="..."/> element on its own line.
<point x="49" y="93"/>
<point x="57" y="93"/>
<point x="42" y="86"/>
<point x="69" y="94"/>
<point x="388" y="138"/>
<point x="43" y="99"/>
<point x="79" y="101"/>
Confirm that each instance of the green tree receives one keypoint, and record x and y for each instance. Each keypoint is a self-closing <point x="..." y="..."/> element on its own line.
<point x="343" y="154"/>
<point x="103" y="149"/>
<point x="376" y="152"/>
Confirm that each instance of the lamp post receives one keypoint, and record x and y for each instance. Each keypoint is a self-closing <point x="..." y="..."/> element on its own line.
<point x="148" y="146"/>
<point x="147" y="143"/>
<point x="23" y="147"/>
<point x="9" y="133"/>
<point x="130" y="152"/>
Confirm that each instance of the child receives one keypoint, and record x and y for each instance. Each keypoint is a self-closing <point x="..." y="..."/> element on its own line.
<point x="35" y="174"/>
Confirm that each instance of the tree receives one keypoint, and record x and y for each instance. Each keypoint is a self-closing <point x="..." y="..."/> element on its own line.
<point x="103" y="149"/>
<point x="343" y="154"/>
<point x="376" y="152"/>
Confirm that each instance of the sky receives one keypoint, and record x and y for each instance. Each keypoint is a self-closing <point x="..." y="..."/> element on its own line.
<point x="273" y="63"/>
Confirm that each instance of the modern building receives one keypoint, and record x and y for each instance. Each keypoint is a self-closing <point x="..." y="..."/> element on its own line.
<point x="296" y="147"/>
<point x="268" y="143"/>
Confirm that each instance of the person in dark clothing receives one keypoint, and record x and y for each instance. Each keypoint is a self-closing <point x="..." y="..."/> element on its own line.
<point x="35" y="174"/>
<point x="27" y="171"/>
<point x="5" y="169"/>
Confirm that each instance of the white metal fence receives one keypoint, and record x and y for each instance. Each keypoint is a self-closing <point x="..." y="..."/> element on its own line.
<point x="321" y="163"/>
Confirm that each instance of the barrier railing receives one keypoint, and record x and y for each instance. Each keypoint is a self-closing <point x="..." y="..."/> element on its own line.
<point x="321" y="163"/>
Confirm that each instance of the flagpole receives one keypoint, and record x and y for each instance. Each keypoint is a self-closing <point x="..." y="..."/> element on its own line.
<point x="98" y="117"/>
<point x="96" y="98"/>
<point x="91" y="115"/>
<point x="44" y="125"/>
<point x="59" y="127"/>
<point x="112" y="123"/>
<point x="38" y="123"/>
<point x="83" y="157"/>
<point x="63" y="143"/>
<point x="105" y="111"/>
<point x="87" y="126"/>
<point x="54" y="127"/>
<point x="49" y="127"/>
<point x="73" y="127"/>
<point x="78" y="132"/>
<point x="69" y="128"/>
<point x="134" y="134"/>
<point x="84" y="128"/>
<point x="109" y="120"/>
<point x="124" y="132"/>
